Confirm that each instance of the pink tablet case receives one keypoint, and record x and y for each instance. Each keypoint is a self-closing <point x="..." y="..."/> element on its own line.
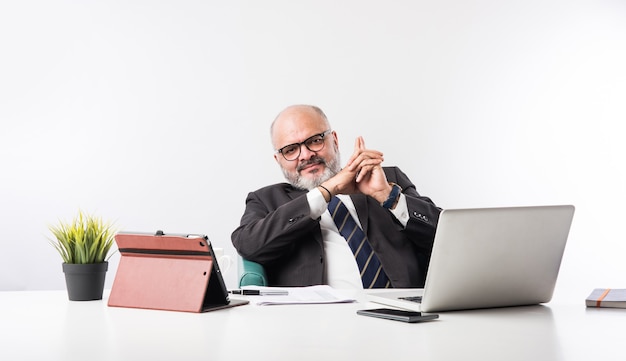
<point x="168" y="272"/>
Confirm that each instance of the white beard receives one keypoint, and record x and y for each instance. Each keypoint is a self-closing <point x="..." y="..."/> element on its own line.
<point x="331" y="168"/>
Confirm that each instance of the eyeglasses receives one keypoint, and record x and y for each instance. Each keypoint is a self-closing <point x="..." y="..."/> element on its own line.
<point x="314" y="144"/>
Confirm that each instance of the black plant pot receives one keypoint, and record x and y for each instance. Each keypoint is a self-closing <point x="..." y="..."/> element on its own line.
<point x="85" y="282"/>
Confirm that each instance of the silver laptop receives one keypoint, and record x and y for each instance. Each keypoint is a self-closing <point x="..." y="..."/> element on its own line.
<point x="490" y="257"/>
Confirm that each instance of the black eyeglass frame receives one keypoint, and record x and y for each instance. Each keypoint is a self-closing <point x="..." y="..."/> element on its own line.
<point x="304" y="142"/>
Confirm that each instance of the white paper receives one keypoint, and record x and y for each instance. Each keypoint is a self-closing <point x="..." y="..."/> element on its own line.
<point x="300" y="295"/>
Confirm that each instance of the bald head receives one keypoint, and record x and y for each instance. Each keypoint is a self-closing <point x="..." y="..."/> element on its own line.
<point x="294" y="117"/>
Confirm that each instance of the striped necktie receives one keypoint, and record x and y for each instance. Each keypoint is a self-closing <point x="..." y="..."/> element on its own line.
<point x="372" y="273"/>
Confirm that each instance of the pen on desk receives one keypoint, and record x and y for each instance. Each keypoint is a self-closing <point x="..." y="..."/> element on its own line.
<point x="259" y="292"/>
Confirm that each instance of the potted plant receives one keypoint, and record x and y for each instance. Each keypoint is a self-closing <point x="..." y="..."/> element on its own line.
<point x="84" y="246"/>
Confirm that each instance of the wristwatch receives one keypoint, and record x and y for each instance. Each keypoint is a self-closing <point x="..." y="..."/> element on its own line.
<point x="393" y="196"/>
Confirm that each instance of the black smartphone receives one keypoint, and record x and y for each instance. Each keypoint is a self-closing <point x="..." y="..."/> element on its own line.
<point x="398" y="315"/>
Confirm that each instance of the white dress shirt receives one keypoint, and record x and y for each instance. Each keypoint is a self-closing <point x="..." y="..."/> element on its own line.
<point x="342" y="271"/>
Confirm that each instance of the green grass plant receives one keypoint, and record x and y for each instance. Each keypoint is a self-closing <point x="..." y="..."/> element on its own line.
<point x="87" y="239"/>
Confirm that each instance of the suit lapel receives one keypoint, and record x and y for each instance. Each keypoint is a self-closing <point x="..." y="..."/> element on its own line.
<point x="360" y="204"/>
<point x="293" y="192"/>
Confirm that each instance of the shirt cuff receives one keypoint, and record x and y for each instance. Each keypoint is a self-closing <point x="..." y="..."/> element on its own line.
<point x="401" y="212"/>
<point x="317" y="203"/>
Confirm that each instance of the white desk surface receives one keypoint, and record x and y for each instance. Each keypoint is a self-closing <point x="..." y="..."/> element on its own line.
<point x="44" y="325"/>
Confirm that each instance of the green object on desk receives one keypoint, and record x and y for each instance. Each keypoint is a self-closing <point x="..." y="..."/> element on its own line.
<point x="251" y="273"/>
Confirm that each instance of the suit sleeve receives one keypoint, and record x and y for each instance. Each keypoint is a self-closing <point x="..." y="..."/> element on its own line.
<point x="423" y="213"/>
<point x="272" y="224"/>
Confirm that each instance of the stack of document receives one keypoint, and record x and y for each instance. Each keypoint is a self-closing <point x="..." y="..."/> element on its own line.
<point x="296" y="295"/>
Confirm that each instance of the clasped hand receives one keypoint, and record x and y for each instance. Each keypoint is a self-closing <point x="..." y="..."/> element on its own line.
<point x="363" y="174"/>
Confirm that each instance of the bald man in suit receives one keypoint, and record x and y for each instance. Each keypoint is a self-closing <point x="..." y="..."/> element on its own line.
<point x="288" y="229"/>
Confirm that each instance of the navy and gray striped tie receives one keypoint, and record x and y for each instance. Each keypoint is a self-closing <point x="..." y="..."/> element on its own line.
<point x="372" y="273"/>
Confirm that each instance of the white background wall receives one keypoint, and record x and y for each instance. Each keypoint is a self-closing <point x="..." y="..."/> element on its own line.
<point x="155" y="114"/>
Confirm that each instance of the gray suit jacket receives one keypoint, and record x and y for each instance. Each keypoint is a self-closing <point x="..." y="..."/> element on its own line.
<point x="277" y="232"/>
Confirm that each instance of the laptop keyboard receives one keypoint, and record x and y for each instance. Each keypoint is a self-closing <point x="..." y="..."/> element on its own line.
<point x="416" y="299"/>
